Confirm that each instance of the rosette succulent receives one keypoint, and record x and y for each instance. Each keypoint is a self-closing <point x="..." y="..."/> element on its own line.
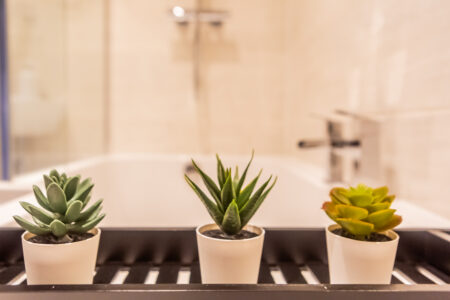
<point x="233" y="204"/>
<point x="362" y="210"/>
<point x="63" y="210"/>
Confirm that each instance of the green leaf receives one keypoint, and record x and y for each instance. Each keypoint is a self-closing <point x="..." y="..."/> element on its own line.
<point x="47" y="181"/>
<point x="88" y="212"/>
<point x="54" y="173"/>
<point x="361" y="200"/>
<point x="37" y="212"/>
<point x="58" y="228"/>
<point x="235" y="179"/>
<point x="355" y="227"/>
<point x="330" y="209"/>
<point x="86" y="201"/>
<point x="378" y="206"/>
<point x="351" y="212"/>
<point x="241" y="181"/>
<point x="31" y="227"/>
<point x="73" y="211"/>
<point x="83" y="191"/>
<point x="337" y="195"/>
<point x="227" y="192"/>
<point x="41" y="199"/>
<point x="56" y="198"/>
<point x="82" y="228"/>
<point x="393" y="222"/>
<point x="247" y="191"/>
<point x="389" y="199"/>
<point x="381" y="217"/>
<point x="220" y="172"/>
<point x="380" y="193"/>
<point x="231" y="223"/>
<point x="71" y="186"/>
<point x="209" y="183"/>
<point x="211" y="207"/>
<point x="250" y="208"/>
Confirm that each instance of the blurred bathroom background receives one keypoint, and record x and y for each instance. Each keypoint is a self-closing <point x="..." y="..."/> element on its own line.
<point x="85" y="78"/>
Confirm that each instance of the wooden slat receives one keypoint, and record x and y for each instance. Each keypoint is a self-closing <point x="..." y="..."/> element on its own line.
<point x="195" y="273"/>
<point x="264" y="274"/>
<point x="137" y="274"/>
<point x="105" y="274"/>
<point x="395" y="280"/>
<point x="320" y="270"/>
<point x="291" y="272"/>
<point x="9" y="273"/>
<point x="168" y="273"/>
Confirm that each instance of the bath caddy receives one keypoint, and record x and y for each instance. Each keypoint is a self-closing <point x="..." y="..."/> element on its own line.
<point x="163" y="264"/>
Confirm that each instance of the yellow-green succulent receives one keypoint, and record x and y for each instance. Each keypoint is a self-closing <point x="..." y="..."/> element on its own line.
<point x="362" y="210"/>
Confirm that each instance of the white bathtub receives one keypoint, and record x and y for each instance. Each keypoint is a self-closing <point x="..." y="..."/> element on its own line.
<point x="149" y="190"/>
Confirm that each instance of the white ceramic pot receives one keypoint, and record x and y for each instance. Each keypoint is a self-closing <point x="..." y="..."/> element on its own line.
<point x="229" y="261"/>
<point x="71" y="263"/>
<point x="360" y="262"/>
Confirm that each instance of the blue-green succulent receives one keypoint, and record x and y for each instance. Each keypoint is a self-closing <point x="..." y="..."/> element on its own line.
<point x="63" y="209"/>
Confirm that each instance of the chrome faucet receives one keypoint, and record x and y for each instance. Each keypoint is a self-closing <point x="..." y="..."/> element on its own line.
<point x="343" y="160"/>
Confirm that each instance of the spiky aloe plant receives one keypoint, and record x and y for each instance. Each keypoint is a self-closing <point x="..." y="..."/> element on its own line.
<point x="62" y="210"/>
<point x="234" y="205"/>
<point x="362" y="210"/>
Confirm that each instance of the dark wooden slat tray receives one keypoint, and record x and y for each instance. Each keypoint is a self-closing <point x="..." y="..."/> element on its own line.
<point x="142" y="263"/>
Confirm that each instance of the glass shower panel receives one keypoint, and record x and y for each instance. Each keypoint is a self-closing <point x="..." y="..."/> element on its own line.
<point x="57" y="82"/>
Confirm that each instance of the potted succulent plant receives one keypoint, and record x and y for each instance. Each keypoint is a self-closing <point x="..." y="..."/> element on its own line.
<point x="361" y="246"/>
<point x="61" y="246"/>
<point x="230" y="250"/>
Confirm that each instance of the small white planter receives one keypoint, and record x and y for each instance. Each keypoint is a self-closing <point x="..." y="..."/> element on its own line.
<point x="229" y="261"/>
<point x="71" y="263"/>
<point x="360" y="262"/>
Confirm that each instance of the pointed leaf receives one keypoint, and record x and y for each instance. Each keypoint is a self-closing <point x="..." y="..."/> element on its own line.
<point x="54" y="173"/>
<point x="94" y="214"/>
<point x="41" y="199"/>
<point x="247" y="191"/>
<point x="209" y="183"/>
<point x="86" y="201"/>
<point x="235" y="179"/>
<point x="88" y="212"/>
<point x="255" y="202"/>
<point x="227" y="192"/>
<point x="58" y="228"/>
<point x="241" y="181"/>
<point x="37" y="212"/>
<point x="330" y="209"/>
<point x="389" y="199"/>
<point x="83" y="191"/>
<point x="393" y="222"/>
<point x="211" y="207"/>
<point x="56" y="198"/>
<point x="380" y="193"/>
<point x="71" y="187"/>
<point x="378" y="206"/>
<point x="220" y="172"/>
<point x="380" y="218"/>
<point x="231" y="223"/>
<point x="73" y="211"/>
<point x="361" y="200"/>
<point x="85" y="227"/>
<point x="40" y="224"/>
<point x="337" y="195"/>
<point x="47" y="181"/>
<point x="351" y="212"/>
<point x="355" y="227"/>
<point x="31" y="227"/>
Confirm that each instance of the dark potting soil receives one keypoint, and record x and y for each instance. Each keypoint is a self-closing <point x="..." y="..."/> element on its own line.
<point x="218" y="234"/>
<point x="373" y="237"/>
<point x="51" y="239"/>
